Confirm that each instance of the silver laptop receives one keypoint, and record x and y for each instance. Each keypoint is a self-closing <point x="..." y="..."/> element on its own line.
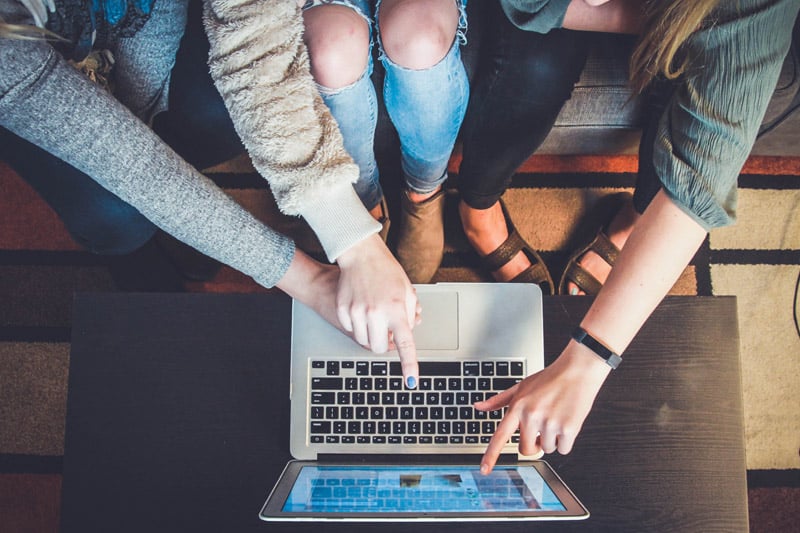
<point x="355" y="424"/>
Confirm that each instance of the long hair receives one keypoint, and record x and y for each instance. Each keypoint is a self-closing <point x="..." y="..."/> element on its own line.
<point x="667" y="25"/>
<point x="26" y="32"/>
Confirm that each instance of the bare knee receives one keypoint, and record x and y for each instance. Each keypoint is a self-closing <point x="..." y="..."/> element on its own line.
<point x="417" y="34"/>
<point x="337" y="39"/>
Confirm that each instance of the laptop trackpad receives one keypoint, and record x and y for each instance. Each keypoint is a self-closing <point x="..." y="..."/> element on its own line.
<point x="439" y="327"/>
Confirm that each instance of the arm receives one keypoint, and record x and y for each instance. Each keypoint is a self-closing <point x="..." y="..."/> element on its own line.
<point x="662" y="244"/>
<point x="616" y="16"/>
<point x="704" y="137"/>
<point x="613" y="16"/>
<point x="260" y="65"/>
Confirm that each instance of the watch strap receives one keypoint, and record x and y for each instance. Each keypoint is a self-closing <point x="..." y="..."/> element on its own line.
<point x="581" y="336"/>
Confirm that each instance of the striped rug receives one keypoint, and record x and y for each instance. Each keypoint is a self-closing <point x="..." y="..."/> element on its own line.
<point x="758" y="260"/>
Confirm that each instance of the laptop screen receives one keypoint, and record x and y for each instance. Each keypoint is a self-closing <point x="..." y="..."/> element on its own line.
<point x="431" y="488"/>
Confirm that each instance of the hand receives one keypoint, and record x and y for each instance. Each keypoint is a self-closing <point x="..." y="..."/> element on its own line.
<point x="377" y="303"/>
<point x="548" y="407"/>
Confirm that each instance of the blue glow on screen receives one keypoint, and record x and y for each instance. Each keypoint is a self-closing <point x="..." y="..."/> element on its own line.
<point x="398" y="489"/>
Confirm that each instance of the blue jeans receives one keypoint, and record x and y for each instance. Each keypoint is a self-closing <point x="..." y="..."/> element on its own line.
<point x="197" y="127"/>
<point x="426" y="107"/>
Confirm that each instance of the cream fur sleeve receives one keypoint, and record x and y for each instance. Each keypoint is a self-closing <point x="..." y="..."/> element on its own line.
<point x="260" y="66"/>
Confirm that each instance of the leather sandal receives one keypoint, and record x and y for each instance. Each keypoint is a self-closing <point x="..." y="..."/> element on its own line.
<point x="601" y="245"/>
<point x="536" y="273"/>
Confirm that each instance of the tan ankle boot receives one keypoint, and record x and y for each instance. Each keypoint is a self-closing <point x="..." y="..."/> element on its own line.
<point x="420" y="244"/>
<point x="384" y="220"/>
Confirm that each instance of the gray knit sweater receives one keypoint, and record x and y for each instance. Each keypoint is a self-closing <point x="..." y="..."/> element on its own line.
<point x="260" y="66"/>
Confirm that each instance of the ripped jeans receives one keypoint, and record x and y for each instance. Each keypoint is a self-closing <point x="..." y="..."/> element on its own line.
<point x="425" y="106"/>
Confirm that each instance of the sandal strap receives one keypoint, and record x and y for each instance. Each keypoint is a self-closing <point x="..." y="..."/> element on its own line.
<point x="536" y="273"/>
<point x="602" y="246"/>
<point x="582" y="278"/>
<point x="505" y="252"/>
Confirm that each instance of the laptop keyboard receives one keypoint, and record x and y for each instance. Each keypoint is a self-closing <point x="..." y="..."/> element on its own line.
<point x="365" y="402"/>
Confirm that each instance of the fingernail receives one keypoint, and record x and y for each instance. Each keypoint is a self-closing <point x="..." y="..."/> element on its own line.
<point x="573" y="291"/>
<point x="411" y="382"/>
<point x="484" y="469"/>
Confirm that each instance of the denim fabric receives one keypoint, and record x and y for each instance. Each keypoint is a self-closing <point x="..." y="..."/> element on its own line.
<point x="522" y="81"/>
<point x="197" y="127"/>
<point x="425" y="106"/>
<point x="96" y="218"/>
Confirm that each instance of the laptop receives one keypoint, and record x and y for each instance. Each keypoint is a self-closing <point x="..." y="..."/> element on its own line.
<point x="366" y="447"/>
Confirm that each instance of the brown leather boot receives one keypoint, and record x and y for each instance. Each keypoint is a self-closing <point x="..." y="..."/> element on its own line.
<point x="420" y="244"/>
<point x="384" y="220"/>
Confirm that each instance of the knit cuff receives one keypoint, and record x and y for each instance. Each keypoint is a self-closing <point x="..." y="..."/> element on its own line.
<point x="339" y="220"/>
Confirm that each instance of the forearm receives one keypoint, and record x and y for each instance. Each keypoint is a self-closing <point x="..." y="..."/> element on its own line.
<point x="613" y="16"/>
<point x="663" y="242"/>
<point x="261" y="68"/>
<point x="50" y="104"/>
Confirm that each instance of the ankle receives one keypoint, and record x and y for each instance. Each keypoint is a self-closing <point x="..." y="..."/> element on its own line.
<point x="485" y="229"/>
<point x="419" y="197"/>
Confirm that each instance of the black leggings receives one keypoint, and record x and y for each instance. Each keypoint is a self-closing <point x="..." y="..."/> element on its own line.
<point x="521" y="83"/>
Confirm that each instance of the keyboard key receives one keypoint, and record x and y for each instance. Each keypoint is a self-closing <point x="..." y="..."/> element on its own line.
<point x="320" y="426"/>
<point x="516" y="368"/>
<point x="317" y="439"/>
<point x="484" y="384"/>
<point x="430" y="368"/>
<point x="354" y="427"/>
<point x="317" y="364"/>
<point x="359" y="398"/>
<point x="387" y="398"/>
<point x="417" y="398"/>
<point x="398" y="428"/>
<point x="394" y="439"/>
<point x="363" y="439"/>
<point x="348" y="439"/>
<point x="381" y="384"/>
<point x="365" y="384"/>
<point x="440" y="439"/>
<point x="403" y="398"/>
<point x="392" y="413"/>
<point x="502" y="368"/>
<point x="378" y="439"/>
<point x="379" y="368"/>
<point x="501" y="384"/>
<point x="339" y="427"/>
<point x="457" y="439"/>
<point x="428" y="427"/>
<point x="332" y="368"/>
<point x="373" y="398"/>
<point x="487" y="368"/>
<point x="439" y="384"/>
<point x="432" y="398"/>
<point x="425" y="384"/>
<point x="395" y="384"/>
<point x="425" y="439"/>
<point x="326" y="383"/>
<point x="409" y="439"/>
<point x="343" y="398"/>
<point x="362" y="413"/>
<point x="376" y="413"/>
<point x="362" y="368"/>
<point x="331" y="412"/>
<point x="384" y="427"/>
<point x="321" y="398"/>
<point x="347" y="412"/>
<point x="348" y="364"/>
<point x="421" y="413"/>
<point x="472" y="368"/>
<point x="406" y="413"/>
<point x="351" y="383"/>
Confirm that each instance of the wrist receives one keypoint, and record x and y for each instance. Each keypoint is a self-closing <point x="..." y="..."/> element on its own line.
<point x="583" y="337"/>
<point x="363" y="250"/>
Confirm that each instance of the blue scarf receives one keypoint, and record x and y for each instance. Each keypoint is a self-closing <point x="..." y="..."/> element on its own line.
<point x="87" y="22"/>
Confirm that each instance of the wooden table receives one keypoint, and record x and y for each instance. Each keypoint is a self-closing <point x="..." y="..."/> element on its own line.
<point x="177" y="418"/>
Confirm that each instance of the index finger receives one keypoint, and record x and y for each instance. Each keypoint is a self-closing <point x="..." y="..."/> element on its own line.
<point x="505" y="429"/>
<point x="407" y="350"/>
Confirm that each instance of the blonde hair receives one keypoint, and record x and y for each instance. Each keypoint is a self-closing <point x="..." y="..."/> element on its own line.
<point x="667" y="25"/>
<point x="26" y="32"/>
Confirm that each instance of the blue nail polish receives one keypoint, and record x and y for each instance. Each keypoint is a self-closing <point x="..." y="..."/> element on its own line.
<point x="411" y="382"/>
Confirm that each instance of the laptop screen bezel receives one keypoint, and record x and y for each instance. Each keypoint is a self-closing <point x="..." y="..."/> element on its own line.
<point x="272" y="509"/>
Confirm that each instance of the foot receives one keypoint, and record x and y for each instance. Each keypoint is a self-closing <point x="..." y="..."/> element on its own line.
<point x="486" y="229"/>
<point x="618" y="232"/>
<point x="420" y="242"/>
<point x="381" y="213"/>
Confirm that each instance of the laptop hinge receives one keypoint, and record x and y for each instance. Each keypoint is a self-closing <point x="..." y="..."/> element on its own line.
<point x="412" y="458"/>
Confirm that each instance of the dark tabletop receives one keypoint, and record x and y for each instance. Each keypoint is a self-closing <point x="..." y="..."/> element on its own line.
<point x="178" y="419"/>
